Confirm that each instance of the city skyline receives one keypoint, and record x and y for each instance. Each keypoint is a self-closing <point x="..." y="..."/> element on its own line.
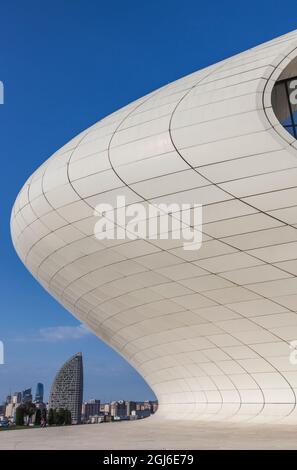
<point x="87" y="400"/>
<point x="66" y="405"/>
<point x="104" y="396"/>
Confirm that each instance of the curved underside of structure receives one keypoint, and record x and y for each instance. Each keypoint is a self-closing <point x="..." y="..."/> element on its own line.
<point x="209" y="329"/>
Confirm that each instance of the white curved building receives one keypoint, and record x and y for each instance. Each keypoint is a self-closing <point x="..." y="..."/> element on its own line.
<point x="209" y="329"/>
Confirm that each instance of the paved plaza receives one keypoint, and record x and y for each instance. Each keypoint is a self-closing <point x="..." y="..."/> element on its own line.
<point x="150" y="434"/>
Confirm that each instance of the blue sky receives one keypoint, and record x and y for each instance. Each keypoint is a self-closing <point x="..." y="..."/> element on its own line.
<point x="65" y="64"/>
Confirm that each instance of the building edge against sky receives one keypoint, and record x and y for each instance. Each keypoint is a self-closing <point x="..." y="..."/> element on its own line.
<point x="39" y="394"/>
<point x="67" y="388"/>
<point x="209" y="330"/>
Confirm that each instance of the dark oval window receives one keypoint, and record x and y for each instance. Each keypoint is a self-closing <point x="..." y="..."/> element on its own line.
<point x="284" y="98"/>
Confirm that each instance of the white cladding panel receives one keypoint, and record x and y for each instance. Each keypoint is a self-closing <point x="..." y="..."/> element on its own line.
<point x="209" y="329"/>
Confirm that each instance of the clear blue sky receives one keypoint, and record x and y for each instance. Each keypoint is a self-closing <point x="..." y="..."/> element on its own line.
<point x="65" y="64"/>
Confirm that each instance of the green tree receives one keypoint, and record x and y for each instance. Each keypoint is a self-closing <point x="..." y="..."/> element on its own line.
<point x="60" y="417"/>
<point x="29" y="410"/>
<point x="68" y="419"/>
<point x="51" y="417"/>
<point x="38" y="417"/>
<point x="43" y="413"/>
<point x="55" y="416"/>
<point x="19" y="416"/>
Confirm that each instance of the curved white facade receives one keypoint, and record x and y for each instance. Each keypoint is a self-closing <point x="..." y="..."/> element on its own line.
<point x="210" y="329"/>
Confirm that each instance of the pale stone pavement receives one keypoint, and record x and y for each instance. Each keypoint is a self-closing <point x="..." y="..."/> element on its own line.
<point x="151" y="434"/>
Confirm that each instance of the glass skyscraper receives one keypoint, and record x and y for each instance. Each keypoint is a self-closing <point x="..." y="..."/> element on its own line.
<point x="27" y="395"/>
<point x="39" y="393"/>
<point x="67" y="388"/>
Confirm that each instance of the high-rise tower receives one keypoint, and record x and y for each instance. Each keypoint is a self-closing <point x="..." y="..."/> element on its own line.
<point x="39" y="393"/>
<point x="67" y="388"/>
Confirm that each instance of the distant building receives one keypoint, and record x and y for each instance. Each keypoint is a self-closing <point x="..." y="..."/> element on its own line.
<point x="143" y="413"/>
<point x="91" y="408"/>
<point x="154" y="406"/>
<point x="67" y="388"/>
<point x="39" y="393"/>
<point x="40" y="405"/>
<point x="118" y="409"/>
<point x="16" y="397"/>
<point x="8" y="399"/>
<point x="97" y="419"/>
<point x="10" y="410"/>
<point x="105" y="408"/>
<point x="27" y="395"/>
<point x="130" y="406"/>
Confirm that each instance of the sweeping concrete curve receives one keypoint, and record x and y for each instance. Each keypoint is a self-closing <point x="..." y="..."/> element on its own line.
<point x="208" y="329"/>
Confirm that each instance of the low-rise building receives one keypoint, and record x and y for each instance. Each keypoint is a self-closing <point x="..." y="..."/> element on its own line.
<point x="90" y="408"/>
